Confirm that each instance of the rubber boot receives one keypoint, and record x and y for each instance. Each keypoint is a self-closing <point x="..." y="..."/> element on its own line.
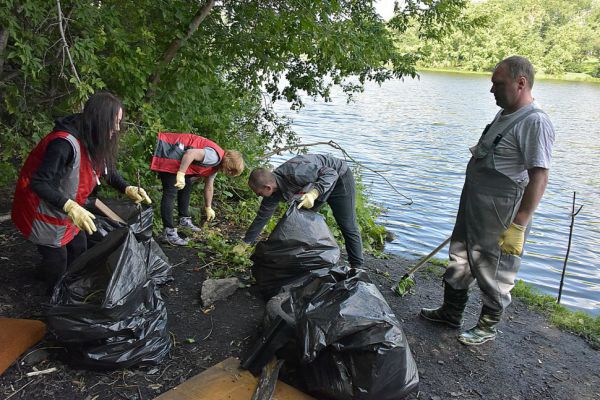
<point x="484" y="331"/>
<point x="451" y="312"/>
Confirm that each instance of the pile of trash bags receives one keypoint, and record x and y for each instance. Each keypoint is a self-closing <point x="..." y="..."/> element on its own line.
<point x="330" y="324"/>
<point x="338" y="331"/>
<point x="107" y="309"/>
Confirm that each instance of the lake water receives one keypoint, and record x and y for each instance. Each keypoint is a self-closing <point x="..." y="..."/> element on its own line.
<point x="417" y="133"/>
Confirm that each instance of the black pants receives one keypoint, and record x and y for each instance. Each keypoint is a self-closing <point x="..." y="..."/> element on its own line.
<point x="343" y="205"/>
<point x="169" y="191"/>
<point x="56" y="260"/>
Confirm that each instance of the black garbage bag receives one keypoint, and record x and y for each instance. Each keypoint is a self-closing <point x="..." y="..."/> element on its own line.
<point x="107" y="309"/>
<point x="300" y="242"/>
<point x="139" y="221"/>
<point x="347" y="341"/>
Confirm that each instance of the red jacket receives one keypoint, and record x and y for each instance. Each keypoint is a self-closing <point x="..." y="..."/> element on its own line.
<point x="39" y="221"/>
<point x="171" y="147"/>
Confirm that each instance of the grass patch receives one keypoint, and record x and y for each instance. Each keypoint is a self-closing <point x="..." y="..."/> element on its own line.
<point x="439" y="262"/>
<point x="576" y="322"/>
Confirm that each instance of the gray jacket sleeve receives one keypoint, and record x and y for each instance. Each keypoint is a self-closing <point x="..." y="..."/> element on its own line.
<point x="302" y="171"/>
<point x="322" y="178"/>
<point x="264" y="214"/>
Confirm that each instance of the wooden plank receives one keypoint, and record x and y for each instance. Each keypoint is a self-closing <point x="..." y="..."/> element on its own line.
<point x="226" y="381"/>
<point x="107" y="211"/>
<point x="16" y="336"/>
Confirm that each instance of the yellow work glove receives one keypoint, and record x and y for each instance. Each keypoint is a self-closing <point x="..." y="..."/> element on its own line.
<point x="240" y="249"/>
<point x="180" y="180"/>
<point x="137" y="194"/>
<point x="81" y="217"/>
<point x="308" y="199"/>
<point x="511" y="241"/>
<point x="210" y="213"/>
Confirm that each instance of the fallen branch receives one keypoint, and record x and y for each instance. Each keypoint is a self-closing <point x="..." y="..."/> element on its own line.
<point x="268" y="380"/>
<point x="42" y="372"/>
<point x="340" y="148"/>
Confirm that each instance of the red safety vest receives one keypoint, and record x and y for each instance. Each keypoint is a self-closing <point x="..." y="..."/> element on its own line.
<point x="39" y="221"/>
<point x="171" y="147"/>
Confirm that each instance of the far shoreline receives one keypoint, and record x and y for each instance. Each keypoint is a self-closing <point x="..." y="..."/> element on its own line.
<point x="567" y="77"/>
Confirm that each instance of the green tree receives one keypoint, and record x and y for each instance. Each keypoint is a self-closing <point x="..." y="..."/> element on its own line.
<point x="202" y="66"/>
<point x="557" y="36"/>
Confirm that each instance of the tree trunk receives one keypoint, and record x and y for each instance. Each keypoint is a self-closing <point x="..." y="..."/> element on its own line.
<point x="176" y="44"/>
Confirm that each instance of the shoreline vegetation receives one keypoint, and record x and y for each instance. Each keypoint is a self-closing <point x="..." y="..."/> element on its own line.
<point x="579" y="323"/>
<point x="566" y="77"/>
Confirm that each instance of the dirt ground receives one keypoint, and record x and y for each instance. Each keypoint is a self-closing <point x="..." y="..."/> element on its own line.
<point x="529" y="359"/>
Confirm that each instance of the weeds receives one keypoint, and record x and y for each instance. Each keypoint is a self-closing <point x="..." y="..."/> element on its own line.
<point x="224" y="263"/>
<point x="576" y="322"/>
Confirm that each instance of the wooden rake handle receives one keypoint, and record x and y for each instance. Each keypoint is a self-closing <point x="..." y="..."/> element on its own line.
<point x="423" y="260"/>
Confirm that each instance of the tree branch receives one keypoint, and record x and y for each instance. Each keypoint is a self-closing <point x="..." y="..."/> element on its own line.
<point x="64" y="39"/>
<point x="340" y="148"/>
<point x="177" y="43"/>
<point x="3" y="43"/>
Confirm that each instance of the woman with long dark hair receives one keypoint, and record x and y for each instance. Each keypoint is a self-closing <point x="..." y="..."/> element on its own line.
<point x="59" y="175"/>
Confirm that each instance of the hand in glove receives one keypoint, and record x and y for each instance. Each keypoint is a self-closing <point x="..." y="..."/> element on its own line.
<point x="308" y="199"/>
<point x="240" y="249"/>
<point x="81" y="217"/>
<point x="511" y="241"/>
<point x="180" y="180"/>
<point x="137" y="194"/>
<point x="210" y="213"/>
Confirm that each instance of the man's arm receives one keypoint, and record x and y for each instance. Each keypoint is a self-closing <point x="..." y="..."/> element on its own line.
<point x="265" y="212"/>
<point x="189" y="157"/>
<point x="538" y="179"/>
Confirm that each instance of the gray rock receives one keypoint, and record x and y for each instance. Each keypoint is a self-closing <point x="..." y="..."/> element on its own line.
<point x="218" y="289"/>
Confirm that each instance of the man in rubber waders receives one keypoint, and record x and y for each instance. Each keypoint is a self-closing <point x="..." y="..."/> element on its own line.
<point x="505" y="180"/>
<point x="329" y="180"/>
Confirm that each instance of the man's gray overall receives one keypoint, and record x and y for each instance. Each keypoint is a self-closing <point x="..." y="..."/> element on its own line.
<point x="488" y="205"/>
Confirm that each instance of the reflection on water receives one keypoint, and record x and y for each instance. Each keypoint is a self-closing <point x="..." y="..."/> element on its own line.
<point x="417" y="133"/>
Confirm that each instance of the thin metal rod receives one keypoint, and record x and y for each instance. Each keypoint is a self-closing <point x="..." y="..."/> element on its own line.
<point x="564" y="271"/>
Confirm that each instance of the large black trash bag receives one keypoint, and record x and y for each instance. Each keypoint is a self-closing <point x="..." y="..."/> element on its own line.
<point x="300" y="242"/>
<point x="107" y="309"/>
<point x="139" y="221"/>
<point x="348" y="342"/>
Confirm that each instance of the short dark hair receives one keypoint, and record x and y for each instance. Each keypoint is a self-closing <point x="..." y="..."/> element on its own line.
<point x="519" y="66"/>
<point x="260" y="177"/>
<point x="98" y="123"/>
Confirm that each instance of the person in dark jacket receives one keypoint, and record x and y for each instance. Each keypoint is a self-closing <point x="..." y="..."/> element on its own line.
<point x="59" y="175"/>
<point x="319" y="179"/>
